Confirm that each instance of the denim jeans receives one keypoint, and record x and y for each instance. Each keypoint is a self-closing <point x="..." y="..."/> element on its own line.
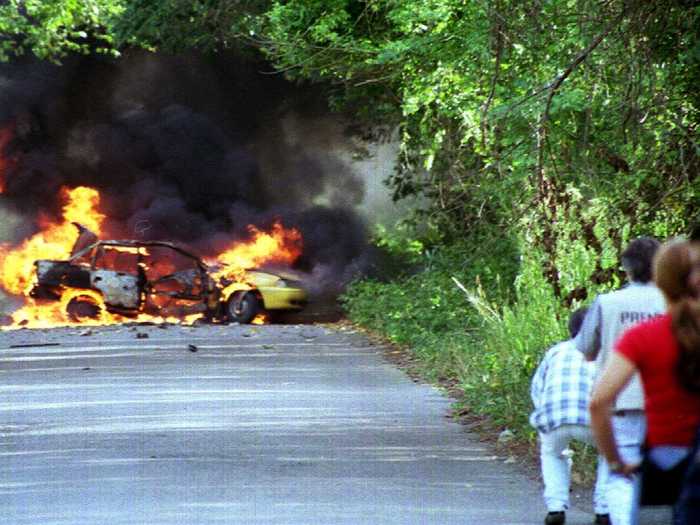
<point x="623" y="492"/>
<point x="556" y="468"/>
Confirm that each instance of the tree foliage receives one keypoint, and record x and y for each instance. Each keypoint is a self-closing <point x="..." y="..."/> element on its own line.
<point x="51" y="29"/>
<point x="204" y="25"/>
<point x="527" y="114"/>
<point x="524" y="114"/>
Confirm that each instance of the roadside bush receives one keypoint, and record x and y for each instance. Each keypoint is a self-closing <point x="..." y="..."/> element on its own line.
<point x="482" y="312"/>
<point x="487" y="340"/>
<point x="424" y="310"/>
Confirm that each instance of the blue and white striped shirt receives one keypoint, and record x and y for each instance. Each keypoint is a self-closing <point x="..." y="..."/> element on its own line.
<point x="561" y="388"/>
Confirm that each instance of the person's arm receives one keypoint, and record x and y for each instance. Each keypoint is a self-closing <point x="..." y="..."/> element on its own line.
<point x="587" y="340"/>
<point x="537" y="385"/>
<point x="617" y="374"/>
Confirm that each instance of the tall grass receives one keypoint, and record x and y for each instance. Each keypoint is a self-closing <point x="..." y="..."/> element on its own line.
<point x="476" y="314"/>
<point x="498" y="362"/>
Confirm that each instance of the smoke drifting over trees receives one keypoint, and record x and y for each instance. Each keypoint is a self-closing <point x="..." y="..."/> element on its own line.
<point x="182" y="148"/>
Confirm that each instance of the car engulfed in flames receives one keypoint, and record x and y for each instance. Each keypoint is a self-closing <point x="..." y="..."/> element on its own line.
<point x="157" y="278"/>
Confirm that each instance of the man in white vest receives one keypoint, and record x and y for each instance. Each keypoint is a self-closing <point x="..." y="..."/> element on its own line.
<point x="607" y="319"/>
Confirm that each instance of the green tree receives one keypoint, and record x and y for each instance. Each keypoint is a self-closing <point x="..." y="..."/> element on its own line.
<point x="513" y="110"/>
<point x="51" y="29"/>
<point x="522" y="114"/>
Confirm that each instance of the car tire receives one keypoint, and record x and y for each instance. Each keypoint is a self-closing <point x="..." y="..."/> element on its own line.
<point x="82" y="308"/>
<point x="242" y="307"/>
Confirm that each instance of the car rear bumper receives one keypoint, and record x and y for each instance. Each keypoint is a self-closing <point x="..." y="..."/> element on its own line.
<point x="275" y="298"/>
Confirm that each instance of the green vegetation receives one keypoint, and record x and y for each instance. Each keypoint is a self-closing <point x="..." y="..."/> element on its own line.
<point x="542" y="135"/>
<point x="52" y="29"/>
<point x="476" y="314"/>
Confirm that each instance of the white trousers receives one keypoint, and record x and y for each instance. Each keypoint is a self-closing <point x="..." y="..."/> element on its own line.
<point x="556" y="468"/>
<point x="623" y="492"/>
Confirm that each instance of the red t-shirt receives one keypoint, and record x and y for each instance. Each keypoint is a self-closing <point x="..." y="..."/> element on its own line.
<point x="673" y="413"/>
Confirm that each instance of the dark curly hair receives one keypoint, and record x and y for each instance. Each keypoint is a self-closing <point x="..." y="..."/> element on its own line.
<point x="576" y="320"/>
<point x="638" y="257"/>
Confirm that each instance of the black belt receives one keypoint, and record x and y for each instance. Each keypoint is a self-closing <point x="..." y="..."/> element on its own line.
<point x="628" y="412"/>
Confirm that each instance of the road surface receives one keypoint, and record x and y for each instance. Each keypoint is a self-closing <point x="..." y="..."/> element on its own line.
<point x="295" y="424"/>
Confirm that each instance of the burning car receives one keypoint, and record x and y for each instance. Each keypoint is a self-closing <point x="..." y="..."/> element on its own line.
<point x="157" y="278"/>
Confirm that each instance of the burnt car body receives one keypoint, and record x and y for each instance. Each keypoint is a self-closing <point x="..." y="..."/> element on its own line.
<point x="158" y="278"/>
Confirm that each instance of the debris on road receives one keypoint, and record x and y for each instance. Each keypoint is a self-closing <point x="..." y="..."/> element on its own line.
<point x="31" y="345"/>
<point x="505" y="437"/>
<point x="142" y="335"/>
<point x="308" y="336"/>
<point x="86" y="332"/>
<point x="192" y="348"/>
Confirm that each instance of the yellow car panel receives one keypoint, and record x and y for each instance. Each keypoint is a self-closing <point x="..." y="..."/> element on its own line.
<point x="276" y="298"/>
<point x="277" y="293"/>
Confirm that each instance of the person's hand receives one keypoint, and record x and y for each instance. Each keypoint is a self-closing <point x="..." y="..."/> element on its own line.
<point x="623" y="469"/>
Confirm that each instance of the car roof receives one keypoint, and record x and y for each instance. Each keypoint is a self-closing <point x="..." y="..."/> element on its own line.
<point x="138" y="244"/>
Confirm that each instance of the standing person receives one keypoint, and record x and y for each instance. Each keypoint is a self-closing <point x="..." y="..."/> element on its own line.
<point x="608" y="318"/>
<point x="666" y="352"/>
<point x="560" y="391"/>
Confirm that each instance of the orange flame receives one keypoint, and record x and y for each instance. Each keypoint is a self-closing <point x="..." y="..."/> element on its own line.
<point x="47" y="315"/>
<point x="262" y="318"/>
<point x="53" y="242"/>
<point x="52" y="314"/>
<point x="56" y="239"/>
<point x="279" y="246"/>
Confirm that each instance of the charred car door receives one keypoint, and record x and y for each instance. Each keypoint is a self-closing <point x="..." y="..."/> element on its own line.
<point x="176" y="282"/>
<point x="115" y="274"/>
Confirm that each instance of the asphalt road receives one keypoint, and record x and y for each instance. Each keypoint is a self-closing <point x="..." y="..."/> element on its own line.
<point x="295" y="424"/>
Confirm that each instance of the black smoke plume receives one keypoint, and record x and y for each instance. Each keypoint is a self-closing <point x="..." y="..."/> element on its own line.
<point x="191" y="149"/>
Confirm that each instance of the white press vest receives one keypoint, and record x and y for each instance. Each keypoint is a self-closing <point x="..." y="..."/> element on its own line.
<point x="621" y="310"/>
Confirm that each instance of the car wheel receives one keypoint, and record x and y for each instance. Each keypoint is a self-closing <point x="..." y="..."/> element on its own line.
<point x="242" y="307"/>
<point x="82" y="308"/>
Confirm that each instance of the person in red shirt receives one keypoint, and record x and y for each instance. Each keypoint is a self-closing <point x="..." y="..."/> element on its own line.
<point x="666" y="353"/>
